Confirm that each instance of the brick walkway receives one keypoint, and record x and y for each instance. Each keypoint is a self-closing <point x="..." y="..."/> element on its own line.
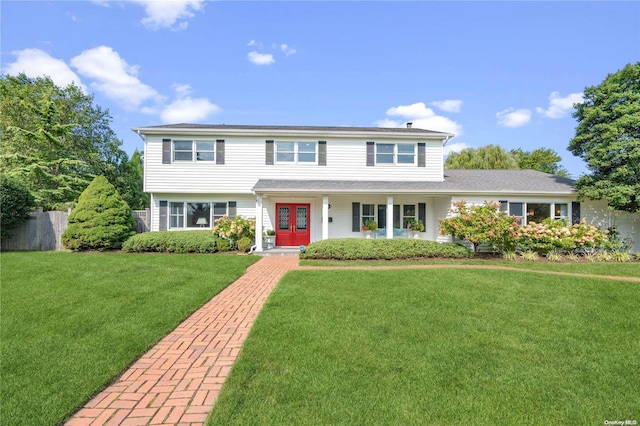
<point x="178" y="380"/>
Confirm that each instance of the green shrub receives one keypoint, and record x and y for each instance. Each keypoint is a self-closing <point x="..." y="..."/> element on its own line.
<point x="223" y="244"/>
<point x="101" y="221"/>
<point x="244" y="244"/>
<point x="368" y="249"/>
<point x="15" y="204"/>
<point x="530" y="255"/>
<point x="172" y="242"/>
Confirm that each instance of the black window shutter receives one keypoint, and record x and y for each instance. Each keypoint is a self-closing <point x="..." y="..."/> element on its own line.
<point x="371" y="155"/>
<point x="422" y="154"/>
<point x="504" y="206"/>
<point x="322" y="153"/>
<point x="166" y="151"/>
<point x="422" y="213"/>
<point x="355" y="220"/>
<point x="269" y="153"/>
<point x="163" y="215"/>
<point x="220" y="151"/>
<point x="233" y="209"/>
<point x="382" y="215"/>
<point x="575" y="213"/>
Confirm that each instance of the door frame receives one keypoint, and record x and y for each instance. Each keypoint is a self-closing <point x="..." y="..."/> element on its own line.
<point x="302" y="239"/>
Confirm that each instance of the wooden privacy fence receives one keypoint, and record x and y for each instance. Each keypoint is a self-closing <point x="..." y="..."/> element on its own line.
<point x="42" y="231"/>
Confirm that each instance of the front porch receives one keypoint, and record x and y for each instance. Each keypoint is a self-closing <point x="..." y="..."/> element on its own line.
<point x="299" y="219"/>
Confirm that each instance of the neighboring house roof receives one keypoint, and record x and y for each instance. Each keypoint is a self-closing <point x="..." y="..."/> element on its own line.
<point x="288" y="129"/>
<point x="456" y="181"/>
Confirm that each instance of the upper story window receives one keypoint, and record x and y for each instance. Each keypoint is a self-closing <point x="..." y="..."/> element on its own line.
<point x="395" y="153"/>
<point x="184" y="150"/>
<point x="296" y="152"/>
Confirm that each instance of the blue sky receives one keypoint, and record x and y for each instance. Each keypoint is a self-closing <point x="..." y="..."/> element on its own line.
<point x="503" y="73"/>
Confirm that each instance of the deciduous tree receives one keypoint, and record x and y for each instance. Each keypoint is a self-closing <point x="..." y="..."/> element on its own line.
<point x="608" y="139"/>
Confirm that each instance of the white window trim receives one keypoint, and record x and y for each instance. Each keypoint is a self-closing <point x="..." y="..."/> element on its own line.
<point x="184" y="214"/>
<point x="194" y="151"/>
<point x="525" y="210"/>
<point x="295" y="153"/>
<point x="395" y="155"/>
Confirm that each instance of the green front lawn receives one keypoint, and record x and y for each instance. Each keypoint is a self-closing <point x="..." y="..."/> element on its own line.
<point x="72" y="322"/>
<point x="438" y="346"/>
<point x="622" y="269"/>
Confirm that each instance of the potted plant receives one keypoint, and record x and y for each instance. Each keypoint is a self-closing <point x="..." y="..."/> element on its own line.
<point x="368" y="227"/>
<point x="270" y="238"/>
<point x="415" y="226"/>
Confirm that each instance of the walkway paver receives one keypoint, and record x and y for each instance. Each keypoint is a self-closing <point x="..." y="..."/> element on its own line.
<point x="178" y="380"/>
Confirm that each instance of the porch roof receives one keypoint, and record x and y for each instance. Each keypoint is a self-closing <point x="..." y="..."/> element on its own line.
<point x="456" y="182"/>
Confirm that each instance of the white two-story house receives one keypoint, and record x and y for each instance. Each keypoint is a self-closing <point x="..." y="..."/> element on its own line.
<point x="311" y="183"/>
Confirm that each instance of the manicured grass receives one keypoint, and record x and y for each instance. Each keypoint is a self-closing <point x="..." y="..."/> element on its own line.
<point x="438" y="346"/>
<point x="72" y="322"/>
<point x="626" y="269"/>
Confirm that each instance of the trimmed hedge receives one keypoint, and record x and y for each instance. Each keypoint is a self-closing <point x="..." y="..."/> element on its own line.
<point x="173" y="242"/>
<point x="365" y="249"/>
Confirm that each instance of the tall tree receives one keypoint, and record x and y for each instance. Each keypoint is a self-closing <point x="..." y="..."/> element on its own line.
<point x="129" y="183"/>
<point x="54" y="140"/>
<point x="486" y="157"/>
<point x="608" y="139"/>
<point x="541" y="159"/>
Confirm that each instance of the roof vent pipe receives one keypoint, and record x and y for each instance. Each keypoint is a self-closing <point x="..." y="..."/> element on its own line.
<point x="409" y="124"/>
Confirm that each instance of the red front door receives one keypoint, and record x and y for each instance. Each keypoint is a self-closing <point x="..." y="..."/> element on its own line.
<point x="292" y="222"/>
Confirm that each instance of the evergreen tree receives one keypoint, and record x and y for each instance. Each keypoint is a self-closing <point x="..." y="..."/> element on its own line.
<point x="101" y="221"/>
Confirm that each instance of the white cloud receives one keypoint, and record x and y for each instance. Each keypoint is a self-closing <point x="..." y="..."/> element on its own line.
<point x="186" y="109"/>
<point x="114" y="77"/>
<point x="559" y="107"/>
<point x="288" y="50"/>
<point x="449" y="105"/>
<point x="260" y="58"/>
<point x="171" y="14"/>
<point x="422" y="117"/>
<point x="513" y="117"/>
<point x="36" y="63"/>
<point x="454" y="147"/>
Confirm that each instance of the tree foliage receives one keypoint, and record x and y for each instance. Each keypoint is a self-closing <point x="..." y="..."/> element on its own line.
<point x="55" y="140"/>
<point x="129" y="183"/>
<point x="542" y="159"/>
<point x="15" y="204"/>
<point x="486" y="157"/>
<point x="495" y="157"/>
<point x="608" y="139"/>
<point x="102" y="220"/>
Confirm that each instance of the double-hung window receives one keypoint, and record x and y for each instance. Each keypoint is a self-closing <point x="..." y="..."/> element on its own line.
<point x="395" y="153"/>
<point x="296" y="152"/>
<point x="183" y="150"/>
<point x="561" y="211"/>
<point x="408" y="213"/>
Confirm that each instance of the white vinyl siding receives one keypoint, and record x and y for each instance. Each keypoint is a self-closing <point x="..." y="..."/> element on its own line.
<point x="245" y="165"/>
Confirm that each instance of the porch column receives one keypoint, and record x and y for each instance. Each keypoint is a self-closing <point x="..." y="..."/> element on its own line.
<point x="389" y="223"/>
<point x="258" y="222"/>
<point x="325" y="218"/>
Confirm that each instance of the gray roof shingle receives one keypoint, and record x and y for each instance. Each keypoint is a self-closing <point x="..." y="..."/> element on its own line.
<point x="456" y="181"/>
<point x="222" y="127"/>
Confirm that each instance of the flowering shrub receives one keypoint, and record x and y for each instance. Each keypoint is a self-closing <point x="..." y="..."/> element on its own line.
<point x="553" y="235"/>
<point x="479" y="224"/>
<point x="485" y="224"/>
<point x="235" y="228"/>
